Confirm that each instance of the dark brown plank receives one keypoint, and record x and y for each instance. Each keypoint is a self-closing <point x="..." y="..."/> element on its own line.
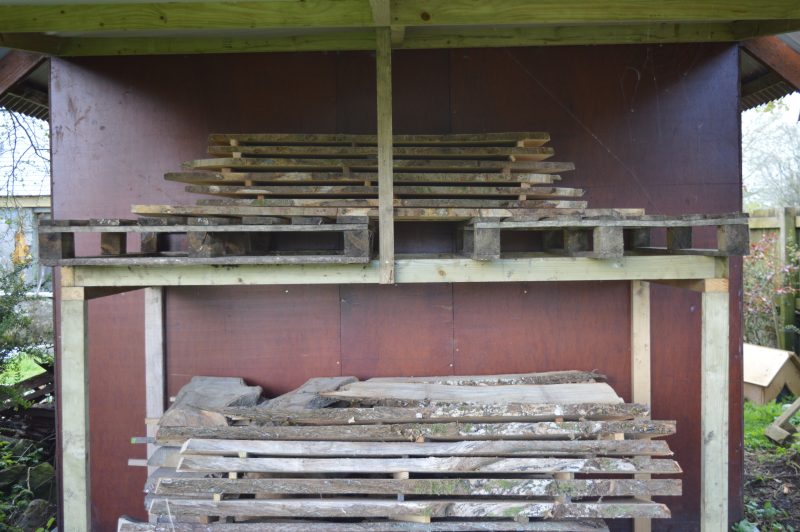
<point x="400" y="190"/>
<point x="400" y="165"/>
<point x="462" y="139"/>
<point x="214" y="178"/>
<point x="399" y="152"/>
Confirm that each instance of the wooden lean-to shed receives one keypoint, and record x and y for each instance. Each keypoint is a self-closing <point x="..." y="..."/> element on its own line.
<point x="642" y="97"/>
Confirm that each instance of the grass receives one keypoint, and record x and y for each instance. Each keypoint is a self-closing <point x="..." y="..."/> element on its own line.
<point x="23" y="367"/>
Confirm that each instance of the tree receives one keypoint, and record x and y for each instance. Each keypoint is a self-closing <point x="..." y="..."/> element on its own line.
<point x="771" y="154"/>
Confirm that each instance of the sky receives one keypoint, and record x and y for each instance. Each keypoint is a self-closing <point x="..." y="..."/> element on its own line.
<point x="770" y="148"/>
<point x="23" y="171"/>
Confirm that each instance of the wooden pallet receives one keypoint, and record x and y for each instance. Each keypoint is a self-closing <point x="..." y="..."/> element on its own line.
<point x="435" y="453"/>
<point x="610" y="237"/>
<point x="209" y="240"/>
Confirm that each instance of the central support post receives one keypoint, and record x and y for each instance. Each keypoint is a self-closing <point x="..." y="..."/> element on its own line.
<point x="383" y="59"/>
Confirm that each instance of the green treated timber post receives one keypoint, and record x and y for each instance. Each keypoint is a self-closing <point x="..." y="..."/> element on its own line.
<point x="74" y="397"/>
<point x="786" y="246"/>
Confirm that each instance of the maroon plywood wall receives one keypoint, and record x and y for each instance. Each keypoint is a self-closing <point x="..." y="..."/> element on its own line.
<point x="647" y="126"/>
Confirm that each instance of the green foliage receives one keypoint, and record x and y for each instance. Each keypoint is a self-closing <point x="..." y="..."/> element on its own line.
<point x="756" y="419"/>
<point x="16" y="497"/>
<point x="763" y="518"/>
<point x="765" y="280"/>
<point x="20" y="342"/>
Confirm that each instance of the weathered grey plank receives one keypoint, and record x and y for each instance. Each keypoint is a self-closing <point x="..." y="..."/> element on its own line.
<point x="547" y="377"/>
<point x="306" y="396"/>
<point x="219" y="464"/>
<point x="453" y="487"/>
<point x="165" y="456"/>
<point x="376" y="391"/>
<point x="325" y="508"/>
<point x="418" y="432"/>
<point x="437" y="413"/>
<point x="644" y="447"/>
<point x="584" y="525"/>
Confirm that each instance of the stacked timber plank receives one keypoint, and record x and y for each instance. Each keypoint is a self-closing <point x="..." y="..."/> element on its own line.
<point x="436" y="177"/>
<point x="551" y="451"/>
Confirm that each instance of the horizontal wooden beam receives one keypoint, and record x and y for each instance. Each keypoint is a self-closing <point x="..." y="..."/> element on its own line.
<point x="82" y="16"/>
<point x="86" y="16"/>
<point x="698" y="285"/>
<point x="172" y="42"/>
<point x="473" y="12"/>
<point x="411" y="270"/>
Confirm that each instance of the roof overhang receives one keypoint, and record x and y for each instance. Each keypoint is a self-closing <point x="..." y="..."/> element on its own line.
<point x="97" y="27"/>
<point x="770" y="69"/>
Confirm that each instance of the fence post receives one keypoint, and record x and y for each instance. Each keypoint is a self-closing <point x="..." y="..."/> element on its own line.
<point x="786" y="246"/>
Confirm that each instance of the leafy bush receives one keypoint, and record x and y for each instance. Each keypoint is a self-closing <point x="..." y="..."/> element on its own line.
<point x="20" y="341"/>
<point x="27" y="479"/>
<point x="765" y="280"/>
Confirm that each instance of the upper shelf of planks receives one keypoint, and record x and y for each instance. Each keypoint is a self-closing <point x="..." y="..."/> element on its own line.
<point x="437" y="177"/>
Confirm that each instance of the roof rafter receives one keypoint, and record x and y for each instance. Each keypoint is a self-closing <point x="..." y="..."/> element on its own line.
<point x="777" y="55"/>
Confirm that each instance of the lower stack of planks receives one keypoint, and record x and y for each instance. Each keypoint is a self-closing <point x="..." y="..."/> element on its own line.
<point x="555" y="451"/>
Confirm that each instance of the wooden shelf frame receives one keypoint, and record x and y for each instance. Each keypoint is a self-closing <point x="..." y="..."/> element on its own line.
<point x="707" y="275"/>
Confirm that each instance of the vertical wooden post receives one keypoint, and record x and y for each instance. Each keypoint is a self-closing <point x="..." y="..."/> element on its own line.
<point x="640" y="361"/>
<point x="74" y="378"/>
<point x="383" y="60"/>
<point x="786" y="245"/>
<point x="155" y="385"/>
<point x="714" y="375"/>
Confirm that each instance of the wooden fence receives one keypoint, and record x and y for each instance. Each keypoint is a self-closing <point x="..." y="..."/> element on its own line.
<point x="784" y="223"/>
